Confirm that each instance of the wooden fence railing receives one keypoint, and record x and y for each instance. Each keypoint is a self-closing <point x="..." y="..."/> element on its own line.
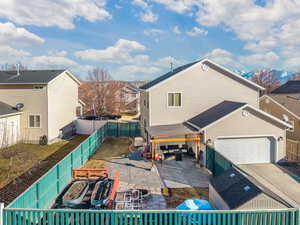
<point x="90" y="174"/>
<point x="293" y="150"/>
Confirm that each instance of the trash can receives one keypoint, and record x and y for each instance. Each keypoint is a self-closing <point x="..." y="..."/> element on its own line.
<point x="178" y="156"/>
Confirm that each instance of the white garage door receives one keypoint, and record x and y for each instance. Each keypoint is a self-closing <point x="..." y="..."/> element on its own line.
<point x="247" y="150"/>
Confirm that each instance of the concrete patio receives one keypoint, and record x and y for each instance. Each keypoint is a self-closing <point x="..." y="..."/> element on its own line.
<point x="180" y="174"/>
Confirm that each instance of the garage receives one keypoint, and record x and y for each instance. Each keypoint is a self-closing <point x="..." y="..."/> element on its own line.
<point x="247" y="150"/>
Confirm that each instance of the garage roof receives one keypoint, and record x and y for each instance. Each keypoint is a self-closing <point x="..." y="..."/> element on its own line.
<point x="6" y="109"/>
<point x="224" y="109"/>
<point x="215" y="113"/>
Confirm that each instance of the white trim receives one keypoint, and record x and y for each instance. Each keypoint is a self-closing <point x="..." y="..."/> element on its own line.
<point x="236" y="75"/>
<point x="69" y="74"/>
<point x="34" y="114"/>
<point x="253" y="108"/>
<point x="10" y="114"/>
<point x="217" y="65"/>
<point x="73" y="77"/>
<point x="270" y="116"/>
<point x="175" y="92"/>
<point x="283" y="107"/>
<point x="253" y="136"/>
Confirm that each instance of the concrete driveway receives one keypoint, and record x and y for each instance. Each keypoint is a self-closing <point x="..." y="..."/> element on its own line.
<point x="181" y="174"/>
<point x="277" y="180"/>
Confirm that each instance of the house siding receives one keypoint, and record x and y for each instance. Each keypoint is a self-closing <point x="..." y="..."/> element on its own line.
<point x="262" y="201"/>
<point x="200" y="91"/>
<point x="251" y="125"/>
<point x="35" y="102"/>
<point x="63" y="98"/>
<point x="274" y="109"/>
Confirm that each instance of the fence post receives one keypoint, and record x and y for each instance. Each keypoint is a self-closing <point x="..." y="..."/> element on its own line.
<point x="1" y="213"/>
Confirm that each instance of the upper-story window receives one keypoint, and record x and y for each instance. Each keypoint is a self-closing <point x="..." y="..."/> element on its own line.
<point x="174" y="99"/>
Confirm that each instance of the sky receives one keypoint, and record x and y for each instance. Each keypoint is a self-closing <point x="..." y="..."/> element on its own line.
<point x="139" y="39"/>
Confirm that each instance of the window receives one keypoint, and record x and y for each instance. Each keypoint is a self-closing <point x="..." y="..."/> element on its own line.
<point x="34" y="121"/>
<point x="174" y="99"/>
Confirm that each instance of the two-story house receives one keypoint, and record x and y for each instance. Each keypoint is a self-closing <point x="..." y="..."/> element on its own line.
<point x="223" y="107"/>
<point x="48" y="100"/>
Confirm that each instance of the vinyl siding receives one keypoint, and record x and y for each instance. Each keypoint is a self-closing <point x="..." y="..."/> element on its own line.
<point x="251" y="125"/>
<point x="274" y="109"/>
<point x="200" y="91"/>
<point x="35" y="102"/>
<point x="63" y="99"/>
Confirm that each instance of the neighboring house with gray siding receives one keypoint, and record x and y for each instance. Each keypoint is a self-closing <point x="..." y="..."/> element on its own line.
<point x="227" y="106"/>
<point x="50" y="98"/>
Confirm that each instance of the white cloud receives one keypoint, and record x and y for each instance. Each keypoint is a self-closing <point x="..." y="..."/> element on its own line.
<point x="196" y="31"/>
<point x="146" y="15"/>
<point x="166" y="62"/>
<point x="6" y="51"/>
<point x="45" y="61"/>
<point x="48" y="13"/>
<point x="224" y="57"/>
<point x="268" y="59"/>
<point x="179" y="6"/>
<point x="153" y="32"/>
<point x="133" y="72"/>
<point x="12" y="35"/>
<point x="176" y="30"/>
<point x="120" y="52"/>
<point x="61" y="53"/>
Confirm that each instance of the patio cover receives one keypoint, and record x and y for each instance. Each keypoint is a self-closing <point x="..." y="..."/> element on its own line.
<point x="180" y="128"/>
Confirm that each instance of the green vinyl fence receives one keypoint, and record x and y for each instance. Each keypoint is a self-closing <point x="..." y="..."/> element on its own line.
<point x="103" y="217"/>
<point x="215" y="162"/>
<point x="43" y="192"/>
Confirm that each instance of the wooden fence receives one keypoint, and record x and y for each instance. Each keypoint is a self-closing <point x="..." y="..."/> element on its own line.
<point x="293" y="150"/>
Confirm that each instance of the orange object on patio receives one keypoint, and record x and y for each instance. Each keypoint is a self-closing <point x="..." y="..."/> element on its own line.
<point x="90" y="174"/>
<point x="115" y="187"/>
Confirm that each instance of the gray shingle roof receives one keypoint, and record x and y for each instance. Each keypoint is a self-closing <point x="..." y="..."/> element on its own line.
<point x="215" y="113"/>
<point x="290" y="87"/>
<point x="230" y="186"/>
<point x="28" y="76"/>
<point x="167" y="75"/>
<point x="6" y="109"/>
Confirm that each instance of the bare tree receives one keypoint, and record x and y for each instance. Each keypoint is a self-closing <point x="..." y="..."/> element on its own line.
<point x="266" y="79"/>
<point x="101" y="93"/>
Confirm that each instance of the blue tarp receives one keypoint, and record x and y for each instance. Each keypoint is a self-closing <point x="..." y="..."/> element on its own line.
<point x="195" y="204"/>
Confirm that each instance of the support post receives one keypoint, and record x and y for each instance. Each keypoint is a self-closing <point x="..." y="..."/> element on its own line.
<point x="1" y="213"/>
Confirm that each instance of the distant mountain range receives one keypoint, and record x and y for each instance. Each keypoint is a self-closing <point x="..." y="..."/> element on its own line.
<point x="282" y="75"/>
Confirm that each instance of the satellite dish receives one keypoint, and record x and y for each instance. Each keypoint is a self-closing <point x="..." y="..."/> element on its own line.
<point x="285" y="118"/>
<point x="19" y="106"/>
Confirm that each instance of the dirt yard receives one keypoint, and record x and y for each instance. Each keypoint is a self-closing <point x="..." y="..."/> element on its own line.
<point x="21" y="165"/>
<point x="175" y="196"/>
<point x="110" y="149"/>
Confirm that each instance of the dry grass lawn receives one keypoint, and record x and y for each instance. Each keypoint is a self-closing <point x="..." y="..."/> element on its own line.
<point x="175" y="196"/>
<point x="17" y="159"/>
<point x="111" y="148"/>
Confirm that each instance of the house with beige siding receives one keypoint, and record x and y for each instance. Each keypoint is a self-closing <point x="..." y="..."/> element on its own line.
<point x="222" y="107"/>
<point x="49" y="99"/>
